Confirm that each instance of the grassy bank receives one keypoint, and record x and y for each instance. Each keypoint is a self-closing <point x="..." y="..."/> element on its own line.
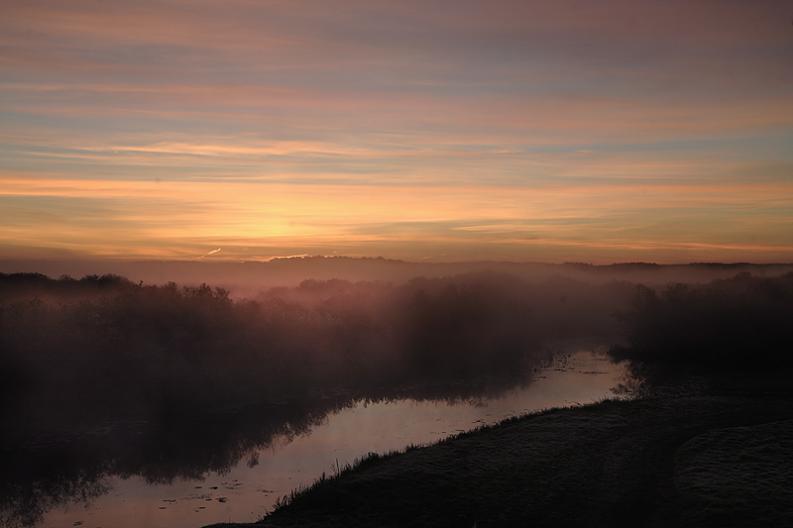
<point x="671" y="461"/>
<point x="723" y="457"/>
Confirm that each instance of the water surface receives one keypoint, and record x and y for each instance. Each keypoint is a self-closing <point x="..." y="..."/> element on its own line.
<point x="246" y="488"/>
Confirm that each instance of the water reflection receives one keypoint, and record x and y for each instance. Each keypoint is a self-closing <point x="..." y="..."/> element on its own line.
<point x="179" y="471"/>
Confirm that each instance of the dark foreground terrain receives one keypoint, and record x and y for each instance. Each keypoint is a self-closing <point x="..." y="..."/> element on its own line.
<point x="716" y="460"/>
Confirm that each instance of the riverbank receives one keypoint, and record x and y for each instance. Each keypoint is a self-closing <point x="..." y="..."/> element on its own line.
<point x="671" y="461"/>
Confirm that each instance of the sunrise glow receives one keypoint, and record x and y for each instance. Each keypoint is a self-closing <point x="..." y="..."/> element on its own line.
<point x="506" y="130"/>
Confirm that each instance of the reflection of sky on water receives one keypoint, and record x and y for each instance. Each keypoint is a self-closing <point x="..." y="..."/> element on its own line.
<point x="249" y="489"/>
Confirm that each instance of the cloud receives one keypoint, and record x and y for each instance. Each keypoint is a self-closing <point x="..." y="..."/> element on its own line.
<point x="213" y="252"/>
<point x="173" y="219"/>
<point x="397" y="127"/>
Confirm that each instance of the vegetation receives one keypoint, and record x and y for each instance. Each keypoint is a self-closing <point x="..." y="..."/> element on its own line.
<point x="720" y="456"/>
<point x="737" y="324"/>
<point x="77" y="353"/>
<point x="164" y="367"/>
<point x="705" y="460"/>
<point x="108" y="346"/>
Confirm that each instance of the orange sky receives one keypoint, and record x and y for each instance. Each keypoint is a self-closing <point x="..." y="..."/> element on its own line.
<point x="595" y="131"/>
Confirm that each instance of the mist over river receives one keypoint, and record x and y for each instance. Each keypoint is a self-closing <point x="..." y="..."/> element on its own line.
<point x="240" y="480"/>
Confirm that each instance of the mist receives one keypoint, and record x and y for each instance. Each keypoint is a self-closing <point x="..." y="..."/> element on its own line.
<point x="183" y="365"/>
<point x="105" y="344"/>
<point x="248" y="278"/>
<point x="198" y="366"/>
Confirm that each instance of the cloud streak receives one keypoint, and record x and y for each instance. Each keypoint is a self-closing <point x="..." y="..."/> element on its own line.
<point x="528" y="130"/>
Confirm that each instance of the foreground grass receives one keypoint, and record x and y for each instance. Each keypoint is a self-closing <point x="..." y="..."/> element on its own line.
<point x="722" y="460"/>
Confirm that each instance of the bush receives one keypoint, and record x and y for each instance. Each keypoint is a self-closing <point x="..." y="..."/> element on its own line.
<point x="742" y="323"/>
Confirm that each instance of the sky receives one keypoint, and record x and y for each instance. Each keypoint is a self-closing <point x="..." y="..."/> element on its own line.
<point x="420" y="130"/>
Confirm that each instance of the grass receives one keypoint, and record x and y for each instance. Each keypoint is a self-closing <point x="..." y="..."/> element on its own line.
<point x="360" y="463"/>
<point x="616" y="463"/>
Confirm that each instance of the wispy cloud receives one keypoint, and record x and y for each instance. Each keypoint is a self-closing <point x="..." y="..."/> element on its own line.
<point x="515" y="129"/>
<point x="213" y="252"/>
